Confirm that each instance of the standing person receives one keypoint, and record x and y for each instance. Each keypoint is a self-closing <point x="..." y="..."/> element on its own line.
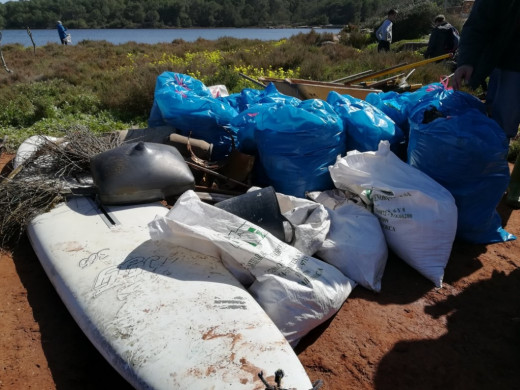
<point x="62" y="32"/>
<point x="444" y="38"/>
<point x="384" y="32"/>
<point x="490" y="46"/>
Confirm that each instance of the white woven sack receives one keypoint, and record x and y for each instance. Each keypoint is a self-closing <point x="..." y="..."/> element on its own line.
<point x="297" y="291"/>
<point x="356" y="245"/>
<point x="418" y="215"/>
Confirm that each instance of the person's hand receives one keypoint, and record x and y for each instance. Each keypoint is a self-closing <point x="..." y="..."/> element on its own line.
<point x="463" y="72"/>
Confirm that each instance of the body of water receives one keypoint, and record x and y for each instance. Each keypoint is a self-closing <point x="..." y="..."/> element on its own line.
<point x="117" y="36"/>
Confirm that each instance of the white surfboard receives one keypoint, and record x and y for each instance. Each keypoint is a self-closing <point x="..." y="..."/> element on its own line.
<point x="163" y="316"/>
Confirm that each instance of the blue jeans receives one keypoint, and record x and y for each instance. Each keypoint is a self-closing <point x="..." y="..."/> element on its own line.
<point x="503" y="99"/>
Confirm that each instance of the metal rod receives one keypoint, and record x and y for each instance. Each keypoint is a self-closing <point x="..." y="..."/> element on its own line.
<point x="352" y="76"/>
<point x="377" y="73"/>
<point x="219" y="175"/>
<point x="252" y="80"/>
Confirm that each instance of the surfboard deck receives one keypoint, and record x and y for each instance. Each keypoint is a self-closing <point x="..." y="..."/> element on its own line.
<point x="164" y="317"/>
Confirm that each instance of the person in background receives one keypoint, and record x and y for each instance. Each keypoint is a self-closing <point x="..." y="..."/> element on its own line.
<point x="384" y="32"/>
<point x="62" y="32"/>
<point x="444" y="38"/>
<point x="490" y="46"/>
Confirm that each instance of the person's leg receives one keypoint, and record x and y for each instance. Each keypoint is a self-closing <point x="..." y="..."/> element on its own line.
<point x="504" y="102"/>
<point x="383" y="46"/>
<point x="513" y="191"/>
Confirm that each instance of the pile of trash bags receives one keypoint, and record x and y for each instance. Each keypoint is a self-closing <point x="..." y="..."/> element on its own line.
<point x="443" y="133"/>
<point x="407" y="173"/>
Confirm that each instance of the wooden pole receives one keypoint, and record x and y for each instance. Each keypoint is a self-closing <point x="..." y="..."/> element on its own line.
<point x="398" y="68"/>
<point x="32" y="40"/>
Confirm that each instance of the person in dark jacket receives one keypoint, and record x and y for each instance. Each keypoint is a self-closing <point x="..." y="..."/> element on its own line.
<point x="62" y="32"/>
<point x="444" y="38"/>
<point x="490" y="46"/>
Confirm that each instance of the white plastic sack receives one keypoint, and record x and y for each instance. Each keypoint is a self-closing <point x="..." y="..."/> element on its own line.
<point x="340" y="232"/>
<point x="310" y="222"/>
<point x="332" y="199"/>
<point x="30" y="146"/>
<point x="218" y="91"/>
<point x="356" y="245"/>
<point x="418" y="215"/>
<point x="297" y="291"/>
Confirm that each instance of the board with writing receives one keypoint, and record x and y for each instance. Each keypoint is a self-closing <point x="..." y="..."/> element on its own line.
<point x="164" y="317"/>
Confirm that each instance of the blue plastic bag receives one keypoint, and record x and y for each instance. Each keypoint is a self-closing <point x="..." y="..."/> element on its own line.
<point x="296" y="144"/>
<point x="248" y="97"/>
<point x="393" y="104"/>
<point x="365" y="125"/>
<point x="466" y="153"/>
<point x="245" y="124"/>
<point x="187" y="104"/>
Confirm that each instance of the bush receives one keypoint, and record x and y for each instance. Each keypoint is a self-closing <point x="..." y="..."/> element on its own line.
<point x="26" y="104"/>
<point x="415" y="23"/>
<point x="106" y="86"/>
<point x="514" y="150"/>
<point x="357" y="39"/>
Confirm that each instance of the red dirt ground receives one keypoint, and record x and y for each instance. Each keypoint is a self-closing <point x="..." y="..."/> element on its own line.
<point x="465" y="335"/>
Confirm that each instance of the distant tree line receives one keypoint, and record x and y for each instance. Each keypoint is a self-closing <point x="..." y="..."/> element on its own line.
<point x="42" y="14"/>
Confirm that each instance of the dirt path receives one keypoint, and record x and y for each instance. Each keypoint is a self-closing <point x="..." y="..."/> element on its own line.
<point x="465" y="335"/>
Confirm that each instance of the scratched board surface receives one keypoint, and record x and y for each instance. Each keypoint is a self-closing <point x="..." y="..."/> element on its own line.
<point x="163" y="316"/>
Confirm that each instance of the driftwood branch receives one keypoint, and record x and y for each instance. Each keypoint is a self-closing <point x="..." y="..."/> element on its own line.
<point x="2" y="56"/>
<point x="32" y="40"/>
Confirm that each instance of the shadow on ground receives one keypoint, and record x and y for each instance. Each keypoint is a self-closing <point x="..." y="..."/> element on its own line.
<point x="480" y="351"/>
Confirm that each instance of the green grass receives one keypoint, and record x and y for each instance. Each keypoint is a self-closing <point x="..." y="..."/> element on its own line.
<point x="108" y="87"/>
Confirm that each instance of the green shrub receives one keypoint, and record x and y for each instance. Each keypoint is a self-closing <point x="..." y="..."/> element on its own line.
<point x="514" y="150"/>
<point x="107" y="87"/>
<point x="416" y="22"/>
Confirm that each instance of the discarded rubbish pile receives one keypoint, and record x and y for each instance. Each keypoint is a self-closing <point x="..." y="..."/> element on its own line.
<point x="292" y="143"/>
<point x="332" y="186"/>
<point x="416" y="171"/>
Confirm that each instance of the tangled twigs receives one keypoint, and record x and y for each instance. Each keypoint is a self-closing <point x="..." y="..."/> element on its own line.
<point x="21" y="201"/>
<point x="70" y="155"/>
<point x="42" y="179"/>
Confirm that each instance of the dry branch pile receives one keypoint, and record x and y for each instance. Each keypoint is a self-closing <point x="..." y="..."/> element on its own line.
<point x="46" y="177"/>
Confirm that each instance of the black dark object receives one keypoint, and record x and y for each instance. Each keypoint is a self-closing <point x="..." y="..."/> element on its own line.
<point x="431" y="114"/>
<point x="140" y="172"/>
<point x="259" y="207"/>
<point x="278" y="375"/>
